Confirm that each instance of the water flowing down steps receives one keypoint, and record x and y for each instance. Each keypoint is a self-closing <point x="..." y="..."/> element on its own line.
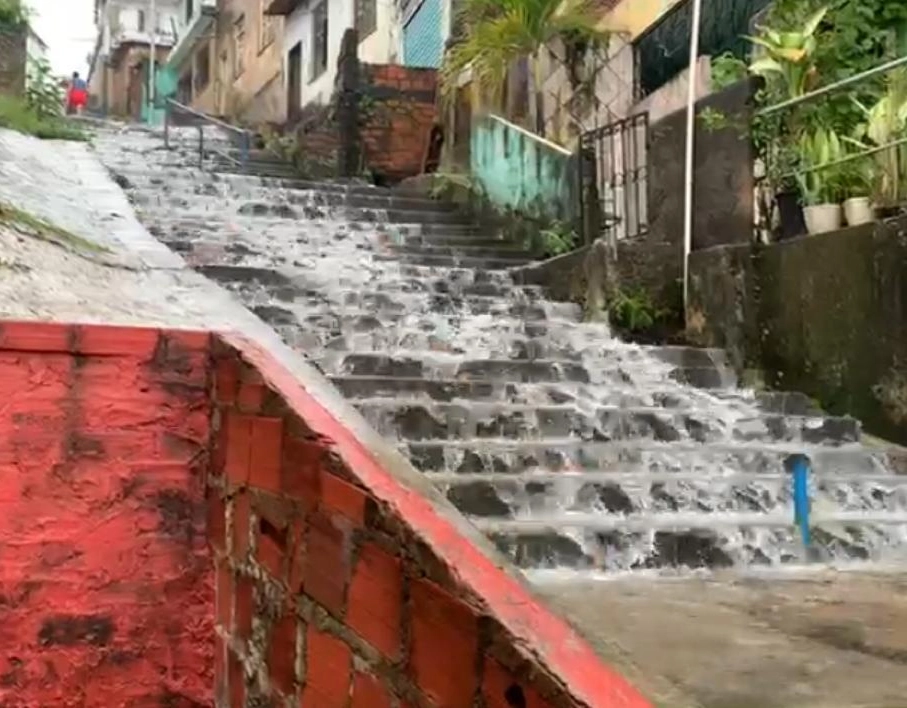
<point x="569" y="447"/>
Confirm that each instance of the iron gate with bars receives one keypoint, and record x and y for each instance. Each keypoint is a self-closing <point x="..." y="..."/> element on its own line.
<point x="613" y="179"/>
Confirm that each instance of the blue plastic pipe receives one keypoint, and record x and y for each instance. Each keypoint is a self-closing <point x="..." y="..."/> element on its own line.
<point x="799" y="466"/>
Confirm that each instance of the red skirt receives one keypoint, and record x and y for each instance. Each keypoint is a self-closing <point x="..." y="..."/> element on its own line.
<point x="78" y="98"/>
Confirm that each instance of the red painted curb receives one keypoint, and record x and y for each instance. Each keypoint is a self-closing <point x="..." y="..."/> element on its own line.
<point x="565" y="653"/>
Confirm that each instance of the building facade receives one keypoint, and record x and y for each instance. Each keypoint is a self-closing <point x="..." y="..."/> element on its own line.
<point x="227" y="60"/>
<point x="120" y="68"/>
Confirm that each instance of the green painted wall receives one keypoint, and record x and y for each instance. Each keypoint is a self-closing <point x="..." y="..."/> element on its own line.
<point x="519" y="171"/>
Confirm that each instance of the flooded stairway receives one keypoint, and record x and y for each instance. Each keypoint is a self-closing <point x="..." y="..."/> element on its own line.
<point x="568" y="447"/>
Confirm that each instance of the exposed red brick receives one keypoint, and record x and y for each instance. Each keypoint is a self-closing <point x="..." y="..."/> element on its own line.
<point x="237" y="681"/>
<point x="217" y="521"/>
<point x="502" y="690"/>
<point x="282" y="653"/>
<point x="296" y="555"/>
<point x="221" y="688"/>
<point x="250" y="397"/>
<point x="245" y="605"/>
<point x="369" y="692"/>
<point x="122" y="341"/>
<point x="270" y="552"/>
<point x="326" y="564"/>
<point x="37" y="336"/>
<point x="444" y="645"/>
<point x="376" y="594"/>
<point x="264" y="469"/>
<point x="341" y="497"/>
<point x="239" y="448"/>
<point x="242" y="514"/>
<point x="224" y="595"/>
<point x="328" y="666"/>
<point x="226" y="380"/>
<point x="301" y="470"/>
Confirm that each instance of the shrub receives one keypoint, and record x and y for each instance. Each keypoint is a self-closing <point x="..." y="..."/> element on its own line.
<point x="16" y="114"/>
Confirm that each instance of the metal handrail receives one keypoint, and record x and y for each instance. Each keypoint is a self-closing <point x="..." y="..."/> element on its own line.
<point x="245" y="136"/>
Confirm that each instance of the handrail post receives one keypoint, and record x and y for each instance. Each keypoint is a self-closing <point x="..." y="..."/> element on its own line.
<point x="167" y="125"/>
<point x="244" y="149"/>
<point x="201" y="147"/>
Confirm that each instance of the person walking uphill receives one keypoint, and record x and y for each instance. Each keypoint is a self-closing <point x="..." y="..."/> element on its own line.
<point x="78" y="95"/>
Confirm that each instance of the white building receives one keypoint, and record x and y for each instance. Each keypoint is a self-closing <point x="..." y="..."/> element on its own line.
<point x="126" y="31"/>
<point x="410" y="32"/>
<point x="35" y="51"/>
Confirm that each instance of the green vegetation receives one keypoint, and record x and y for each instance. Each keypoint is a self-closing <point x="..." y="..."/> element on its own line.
<point x="45" y="230"/>
<point x="16" y="114"/>
<point x="559" y="238"/>
<point x="806" y="44"/>
<point x="494" y="35"/>
<point x="13" y="13"/>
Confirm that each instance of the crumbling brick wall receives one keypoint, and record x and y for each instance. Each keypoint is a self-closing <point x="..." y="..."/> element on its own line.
<point x="327" y="594"/>
<point x="396" y="115"/>
<point x="13" y="60"/>
<point x="106" y="580"/>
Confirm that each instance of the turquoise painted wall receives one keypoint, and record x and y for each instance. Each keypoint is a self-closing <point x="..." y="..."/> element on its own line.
<point x="423" y="41"/>
<point x="519" y="171"/>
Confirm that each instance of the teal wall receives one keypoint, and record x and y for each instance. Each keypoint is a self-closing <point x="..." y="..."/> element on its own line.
<point x="519" y="171"/>
<point x="423" y="40"/>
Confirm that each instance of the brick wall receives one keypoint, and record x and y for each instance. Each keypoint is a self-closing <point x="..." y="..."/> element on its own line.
<point x="13" y="60"/>
<point x="396" y="115"/>
<point x="106" y="582"/>
<point x="337" y="587"/>
<point x="185" y="525"/>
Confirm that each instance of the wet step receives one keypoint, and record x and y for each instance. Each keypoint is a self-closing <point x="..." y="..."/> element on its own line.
<point x="660" y="540"/>
<point x="476" y="239"/>
<point x="543" y="493"/>
<point x="464" y="369"/>
<point x="470" y="251"/>
<point x="515" y="457"/>
<point x="454" y="261"/>
<point x="448" y="390"/>
<point x="420" y="420"/>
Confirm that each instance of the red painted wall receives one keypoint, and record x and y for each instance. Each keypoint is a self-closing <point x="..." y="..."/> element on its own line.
<point x="106" y="582"/>
<point x="184" y="525"/>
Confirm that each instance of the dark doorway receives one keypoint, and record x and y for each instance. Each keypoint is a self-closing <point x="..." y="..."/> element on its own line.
<point x="294" y="83"/>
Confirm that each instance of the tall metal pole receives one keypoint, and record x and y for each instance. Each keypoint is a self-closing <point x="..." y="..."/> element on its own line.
<point x="152" y="60"/>
<point x="690" y="152"/>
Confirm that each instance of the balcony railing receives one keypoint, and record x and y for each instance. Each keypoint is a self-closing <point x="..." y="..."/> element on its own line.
<point x="203" y="12"/>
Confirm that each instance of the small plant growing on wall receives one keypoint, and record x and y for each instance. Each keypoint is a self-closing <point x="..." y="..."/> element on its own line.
<point x="44" y="95"/>
<point x="13" y="13"/>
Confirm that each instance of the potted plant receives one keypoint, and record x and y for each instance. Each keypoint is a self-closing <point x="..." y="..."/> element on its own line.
<point x="886" y="122"/>
<point x="855" y="180"/>
<point x="819" y="179"/>
<point x="785" y="60"/>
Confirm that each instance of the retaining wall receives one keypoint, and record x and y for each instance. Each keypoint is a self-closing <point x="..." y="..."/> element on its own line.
<point x="106" y="580"/>
<point x="333" y="583"/>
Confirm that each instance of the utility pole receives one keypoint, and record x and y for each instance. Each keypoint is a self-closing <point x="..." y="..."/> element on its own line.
<point x="152" y="65"/>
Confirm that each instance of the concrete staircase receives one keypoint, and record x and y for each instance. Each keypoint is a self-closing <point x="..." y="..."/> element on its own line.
<point x="570" y="448"/>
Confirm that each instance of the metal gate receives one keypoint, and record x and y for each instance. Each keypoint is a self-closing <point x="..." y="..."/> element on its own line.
<point x="613" y="179"/>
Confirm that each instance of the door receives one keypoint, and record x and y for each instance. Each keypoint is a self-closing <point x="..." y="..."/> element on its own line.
<point x="294" y="83"/>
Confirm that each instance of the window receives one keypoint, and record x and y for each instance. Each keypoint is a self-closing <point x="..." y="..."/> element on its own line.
<point x="140" y="20"/>
<point x="267" y="31"/>
<point x="202" y="69"/>
<point x="239" y="46"/>
<point x="319" y="40"/>
<point x="366" y="17"/>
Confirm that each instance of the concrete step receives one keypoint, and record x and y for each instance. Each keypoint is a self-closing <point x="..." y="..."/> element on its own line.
<point x="454" y="261"/>
<point x="472" y="250"/>
<point x="414" y="419"/>
<point x="462" y="368"/>
<point x="542" y="495"/>
<point x="513" y="456"/>
<point x="615" y="542"/>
